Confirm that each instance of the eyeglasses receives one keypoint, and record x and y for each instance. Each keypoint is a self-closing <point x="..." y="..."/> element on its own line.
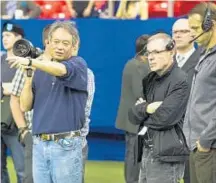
<point x="181" y="31"/>
<point x="155" y="52"/>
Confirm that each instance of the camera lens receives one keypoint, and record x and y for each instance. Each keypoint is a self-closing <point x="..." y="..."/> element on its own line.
<point x="22" y="48"/>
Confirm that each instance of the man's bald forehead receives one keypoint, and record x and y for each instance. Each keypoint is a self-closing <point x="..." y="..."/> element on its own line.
<point x="158" y="40"/>
<point x="159" y="36"/>
<point x="181" y="24"/>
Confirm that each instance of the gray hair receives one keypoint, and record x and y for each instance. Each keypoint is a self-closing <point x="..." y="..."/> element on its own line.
<point x="68" y="26"/>
<point x="165" y="38"/>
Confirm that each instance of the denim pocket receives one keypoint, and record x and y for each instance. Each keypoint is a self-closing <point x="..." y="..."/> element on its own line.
<point x="70" y="143"/>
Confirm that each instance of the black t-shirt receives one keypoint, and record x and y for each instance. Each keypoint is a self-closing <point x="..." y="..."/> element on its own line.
<point x="7" y="74"/>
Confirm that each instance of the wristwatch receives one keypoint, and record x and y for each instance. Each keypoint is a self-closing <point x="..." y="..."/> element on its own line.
<point x="30" y="62"/>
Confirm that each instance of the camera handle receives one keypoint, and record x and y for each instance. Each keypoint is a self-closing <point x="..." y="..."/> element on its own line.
<point x="29" y="72"/>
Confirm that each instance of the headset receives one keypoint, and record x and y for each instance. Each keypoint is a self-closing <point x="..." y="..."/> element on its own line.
<point x="207" y="23"/>
<point x="170" y="45"/>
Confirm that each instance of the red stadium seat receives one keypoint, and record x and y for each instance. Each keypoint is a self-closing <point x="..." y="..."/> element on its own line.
<point x="54" y="9"/>
<point x="159" y="8"/>
<point x="39" y="2"/>
<point x="57" y="9"/>
<point x="183" y="7"/>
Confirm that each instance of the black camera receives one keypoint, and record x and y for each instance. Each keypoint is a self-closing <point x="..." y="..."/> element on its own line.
<point x="24" y="48"/>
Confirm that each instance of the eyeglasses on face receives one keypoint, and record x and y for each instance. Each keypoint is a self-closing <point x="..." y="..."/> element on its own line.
<point x="154" y="52"/>
<point x="184" y="31"/>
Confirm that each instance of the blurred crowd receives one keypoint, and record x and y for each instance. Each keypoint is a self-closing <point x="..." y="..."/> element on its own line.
<point x="118" y="9"/>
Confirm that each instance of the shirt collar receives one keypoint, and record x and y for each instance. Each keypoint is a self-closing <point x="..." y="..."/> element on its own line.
<point x="187" y="54"/>
<point x="167" y="72"/>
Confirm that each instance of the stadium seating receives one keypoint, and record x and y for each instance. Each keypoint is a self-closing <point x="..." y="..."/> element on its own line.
<point x="58" y="9"/>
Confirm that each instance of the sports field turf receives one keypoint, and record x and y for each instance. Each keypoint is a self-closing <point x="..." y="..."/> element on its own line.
<point x="96" y="172"/>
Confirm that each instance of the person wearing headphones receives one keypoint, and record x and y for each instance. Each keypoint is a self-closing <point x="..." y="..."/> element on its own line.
<point x="135" y="70"/>
<point x="200" y="119"/>
<point x="160" y="114"/>
<point x="187" y="58"/>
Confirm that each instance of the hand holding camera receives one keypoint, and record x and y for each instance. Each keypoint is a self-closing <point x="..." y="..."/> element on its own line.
<point x="24" y="52"/>
<point x="18" y="62"/>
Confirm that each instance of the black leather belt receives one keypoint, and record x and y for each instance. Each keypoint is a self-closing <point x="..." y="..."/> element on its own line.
<point x="54" y="137"/>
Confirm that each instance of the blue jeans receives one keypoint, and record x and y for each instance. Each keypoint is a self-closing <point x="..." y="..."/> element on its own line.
<point x="84" y="158"/>
<point x="17" y="153"/>
<point x="154" y="171"/>
<point x="57" y="162"/>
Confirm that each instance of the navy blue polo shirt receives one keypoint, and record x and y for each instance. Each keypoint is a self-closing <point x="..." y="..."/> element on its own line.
<point x="59" y="102"/>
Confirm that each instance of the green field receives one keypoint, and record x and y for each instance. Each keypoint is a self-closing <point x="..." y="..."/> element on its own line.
<point x="96" y="172"/>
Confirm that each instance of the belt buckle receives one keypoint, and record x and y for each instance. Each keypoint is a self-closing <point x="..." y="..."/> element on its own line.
<point x="72" y="134"/>
<point x="45" y="137"/>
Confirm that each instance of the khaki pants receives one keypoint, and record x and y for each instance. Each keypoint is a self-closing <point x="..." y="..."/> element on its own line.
<point x="203" y="167"/>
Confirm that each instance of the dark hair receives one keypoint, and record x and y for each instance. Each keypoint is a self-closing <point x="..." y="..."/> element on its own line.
<point x="201" y="10"/>
<point x="141" y="43"/>
<point x="45" y="33"/>
<point x="13" y="28"/>
<point x="16" y="34"/>
<point x="68" y="26"/>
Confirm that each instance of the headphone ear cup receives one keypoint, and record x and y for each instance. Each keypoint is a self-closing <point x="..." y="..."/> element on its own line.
<point x="170" y="45"/>
<point x="207" y="24"/>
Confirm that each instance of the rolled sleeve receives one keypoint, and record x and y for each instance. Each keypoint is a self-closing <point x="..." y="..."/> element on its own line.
<point x="76" y="76"/>
<point x="18" y="83"/>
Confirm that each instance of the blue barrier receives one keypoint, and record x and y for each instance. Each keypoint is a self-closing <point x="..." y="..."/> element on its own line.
<point x="106" y="45"/>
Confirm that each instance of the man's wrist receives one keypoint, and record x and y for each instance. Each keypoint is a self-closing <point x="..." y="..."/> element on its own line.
<point x="28" y="81"/>
<point x="33" y="61"/>
<point x="30" y="62"/>
<point x="21" y="131"/>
